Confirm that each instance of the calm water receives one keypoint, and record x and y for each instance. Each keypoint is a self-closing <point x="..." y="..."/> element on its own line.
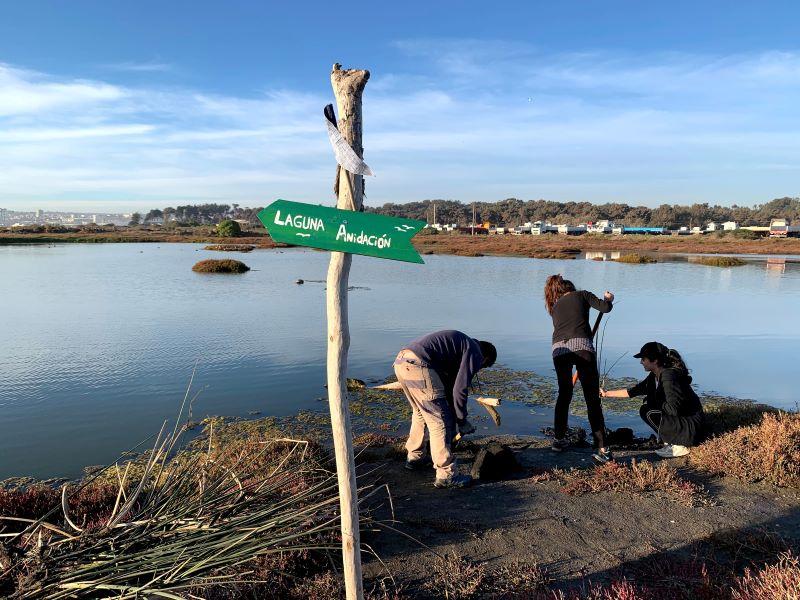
<point x="99" y="341"/>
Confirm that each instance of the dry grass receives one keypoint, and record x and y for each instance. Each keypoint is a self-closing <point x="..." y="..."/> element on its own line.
<point x="235" y="514"/>
<point x="376" y="440"/>
<point x="771" y="582"/>
<point x="727" y="415"/>
<point x="456" y="578"/>
<point x="639" y="478"/>
<point x="720" y="261"/>
<point x="693" y="579"/>
<point x="230" y="247"/>
<point x="225" y="265"/>
<point x="769" y="451"/>
<point x="519" y="579"/>
<point x="636" y="259"/>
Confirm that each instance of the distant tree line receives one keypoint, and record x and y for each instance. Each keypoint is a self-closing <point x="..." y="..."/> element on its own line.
<point x="513" y="211"/>
<point x="516" y="212"/>
<point x="197" y="214"/>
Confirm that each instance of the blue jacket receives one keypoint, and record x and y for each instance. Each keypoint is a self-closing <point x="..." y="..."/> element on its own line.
<point x="456" y="358"/>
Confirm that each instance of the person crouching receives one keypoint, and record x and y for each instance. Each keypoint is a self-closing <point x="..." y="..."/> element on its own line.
<point x="435" y="372"/>
<point x="671" y="408"/>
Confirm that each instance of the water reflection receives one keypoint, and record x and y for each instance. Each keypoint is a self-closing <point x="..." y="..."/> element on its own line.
<point x="601" y="255"/>
<point x="98" y="342"/>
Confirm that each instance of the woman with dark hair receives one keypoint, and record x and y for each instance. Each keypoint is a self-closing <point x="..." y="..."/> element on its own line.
<point x="671" y="407"/>
<point x="573" y="347"/>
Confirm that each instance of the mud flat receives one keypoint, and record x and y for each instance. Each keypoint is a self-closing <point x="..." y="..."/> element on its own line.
<point x="547" y="246"/>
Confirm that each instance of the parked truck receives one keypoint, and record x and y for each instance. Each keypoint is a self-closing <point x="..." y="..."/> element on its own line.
<point x="783" y="228"/>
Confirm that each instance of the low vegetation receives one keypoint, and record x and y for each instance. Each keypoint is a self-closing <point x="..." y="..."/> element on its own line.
<point x="768" y="451"/>
<point x="720" y="261"/>
<point x="636" y="259"/>
<point x="220" y="266"/>
<point x="228" y="228"/>
<point x="781" y="580"/>
<point x="232" y="515"/>
<point x="641" y="478"/>
<point x="665" y="579"/>
<point x="230" y="247"/>
<point x="724" y="415"/>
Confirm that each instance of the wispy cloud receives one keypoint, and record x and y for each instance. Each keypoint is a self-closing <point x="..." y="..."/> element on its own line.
<point x="470" y="120"/>
<point x="140" y="67"/>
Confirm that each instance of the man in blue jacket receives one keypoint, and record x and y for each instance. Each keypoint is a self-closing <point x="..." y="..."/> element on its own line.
<point x="435" y="372"/>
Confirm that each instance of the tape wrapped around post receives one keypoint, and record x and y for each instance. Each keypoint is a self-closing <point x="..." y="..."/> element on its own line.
<point x="345" y="155"/>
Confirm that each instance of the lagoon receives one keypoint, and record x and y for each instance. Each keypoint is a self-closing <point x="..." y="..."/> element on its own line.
<point x="99" y="341"/>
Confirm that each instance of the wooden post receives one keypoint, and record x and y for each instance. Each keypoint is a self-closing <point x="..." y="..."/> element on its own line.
<point x="348" y="85"/>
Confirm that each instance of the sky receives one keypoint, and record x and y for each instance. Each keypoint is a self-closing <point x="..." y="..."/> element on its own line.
<point x="120" y="106"/>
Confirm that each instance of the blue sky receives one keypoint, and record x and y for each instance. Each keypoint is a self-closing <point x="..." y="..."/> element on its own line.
<point x="133" y="105"/>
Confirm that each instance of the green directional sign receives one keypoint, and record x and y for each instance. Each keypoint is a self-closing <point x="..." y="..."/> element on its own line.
<point x="341" y="230"/>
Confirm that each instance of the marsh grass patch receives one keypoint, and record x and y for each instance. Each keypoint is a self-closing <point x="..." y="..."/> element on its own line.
<point x="636" y="259"/>
<point x="230" y="247"/>
<point x="639" y="478"/>
<point x="768" y="451"/>
<point x="725" y="414"/>
<point x="719" y="261"/>
<point x="225" y="265"/>
<point x="781" y="580"/>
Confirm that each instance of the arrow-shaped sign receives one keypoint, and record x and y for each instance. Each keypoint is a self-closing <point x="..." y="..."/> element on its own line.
<point x="329" y="228"/>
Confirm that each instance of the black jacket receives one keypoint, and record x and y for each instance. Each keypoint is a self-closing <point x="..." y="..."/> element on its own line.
<point x="571" y="315"/>
<point x="681" y="411"/>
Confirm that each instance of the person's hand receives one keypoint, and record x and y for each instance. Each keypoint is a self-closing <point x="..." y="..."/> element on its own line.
<point x="608" y="296"/>
<point x="602" y="393"/>
<point x="465" y="428"/>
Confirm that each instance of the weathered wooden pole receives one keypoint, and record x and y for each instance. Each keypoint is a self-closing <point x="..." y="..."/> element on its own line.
<point x="348" y="86"/>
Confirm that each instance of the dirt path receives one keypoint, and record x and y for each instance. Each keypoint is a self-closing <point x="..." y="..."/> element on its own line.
<point x="597" y="536"/>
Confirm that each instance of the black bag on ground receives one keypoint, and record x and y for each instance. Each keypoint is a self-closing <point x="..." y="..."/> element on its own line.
<point x="494" y="462"/>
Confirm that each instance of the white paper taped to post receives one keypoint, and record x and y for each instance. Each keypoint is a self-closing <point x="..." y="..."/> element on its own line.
<point x="345" y="155"/>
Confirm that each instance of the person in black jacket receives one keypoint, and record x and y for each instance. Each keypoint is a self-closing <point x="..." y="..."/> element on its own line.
<point x="573" y="346"/>
<point x="671" y="407"/>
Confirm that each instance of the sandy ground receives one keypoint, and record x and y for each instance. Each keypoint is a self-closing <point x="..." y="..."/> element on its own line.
<point x="596" y="536"/>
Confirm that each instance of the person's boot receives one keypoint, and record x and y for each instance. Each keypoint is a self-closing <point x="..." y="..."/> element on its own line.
<point x="603" y="456"/>
<point x="454" y="481"/>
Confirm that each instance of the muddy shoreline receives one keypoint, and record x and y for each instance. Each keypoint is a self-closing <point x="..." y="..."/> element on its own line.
<point x="548" y="246"/>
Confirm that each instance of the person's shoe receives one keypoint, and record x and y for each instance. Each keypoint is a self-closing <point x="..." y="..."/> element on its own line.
<point x="602" y="457"/>
<point x="559" y="445"/>
<point x="466" y="428"/>
<point x="454" y="481"/>
<point x="672" y="451"/>
<point x="419" y="464"/>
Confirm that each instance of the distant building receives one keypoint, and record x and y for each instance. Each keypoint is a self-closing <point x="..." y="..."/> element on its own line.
<point x="3" y="216"/>
<point x="730" y="226"/>
<point x="571" y="229"/>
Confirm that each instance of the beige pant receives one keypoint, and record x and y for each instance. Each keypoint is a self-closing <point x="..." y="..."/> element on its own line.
<point x="429" y="407"/>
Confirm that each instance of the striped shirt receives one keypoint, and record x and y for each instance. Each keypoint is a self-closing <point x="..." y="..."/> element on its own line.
<point x="572" y="345"/>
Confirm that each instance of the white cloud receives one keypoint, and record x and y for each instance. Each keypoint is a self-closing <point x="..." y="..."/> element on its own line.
<point x="472" y="121"/>
<point x="41" y="135"/>
<point x="25" y="92"/>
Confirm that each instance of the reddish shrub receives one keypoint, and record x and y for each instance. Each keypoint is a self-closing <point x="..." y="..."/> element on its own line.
<point x="769" y="451"/>
<point x="781" y="580"/>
